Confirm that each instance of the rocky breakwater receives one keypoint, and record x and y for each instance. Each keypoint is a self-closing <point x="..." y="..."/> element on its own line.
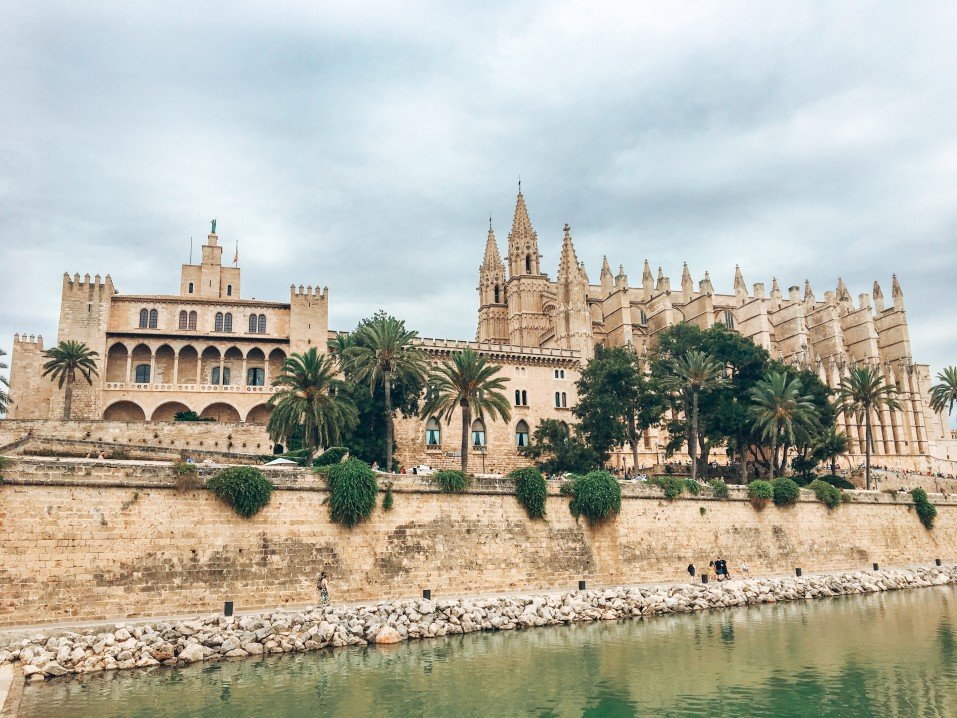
<point x="213" y="638"/>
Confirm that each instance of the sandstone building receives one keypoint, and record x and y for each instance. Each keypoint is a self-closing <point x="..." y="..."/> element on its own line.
<point x="208" y="350"/>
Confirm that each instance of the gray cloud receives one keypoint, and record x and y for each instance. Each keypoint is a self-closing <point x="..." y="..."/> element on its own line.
<point x="363" y="146"/>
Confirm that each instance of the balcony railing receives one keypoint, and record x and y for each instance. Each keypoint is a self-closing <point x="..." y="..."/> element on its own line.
<point x="217" y="388"/>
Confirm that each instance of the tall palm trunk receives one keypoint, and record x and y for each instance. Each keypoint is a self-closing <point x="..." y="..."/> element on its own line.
<point x="867" y="447"/>
<point x="633" y="441"/>
<point x="743" y="458"/>
<point x="693" y="439"/>
<point x="774" y="456"/>
<point x="387" y="386"/>
<point x="834" y="465"/>
<point x="466" y="425"/>
<point x="68" y="395"/>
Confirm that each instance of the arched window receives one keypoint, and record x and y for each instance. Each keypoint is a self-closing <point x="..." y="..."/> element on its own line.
<point x="228" y="322"/>
<point x="262" y="324"/>
<point x="255" y="376"/>
<point x="528" y="264"/>
<point x="496" y="294"/>
<point x="478" y="433"/>
<point x="215" y="376"/>
<point x="192" y="321"/>
<point x="252" y="323"/>
<point x="521" y="434"/>
<point x="154" y="318"/>
<point x="524" y="398"/>
<point x="144" y="318"/>
<point x="558" y="400"/>
<point x="518" y="398"/>
<point x="564" y="429"/>
<point x="190" y="288"/>
<point x="229" y="290"/>
<point x="564" y="401"/>
<point x="556" y="373"/>
<point x="433" y="432"/>
<point x="728" y="319"/>
<point x="643" y="318"/>
<point x="563" y="374"/>
<point x="218" y="325"/>
<point x="142" y="374"/>
<point x="183" y="319"/>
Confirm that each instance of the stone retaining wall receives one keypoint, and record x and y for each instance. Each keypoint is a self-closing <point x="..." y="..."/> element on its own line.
<point x="96" y="540"/>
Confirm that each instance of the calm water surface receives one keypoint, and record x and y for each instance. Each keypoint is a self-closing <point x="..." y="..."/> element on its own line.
<point x="892" y="654"/>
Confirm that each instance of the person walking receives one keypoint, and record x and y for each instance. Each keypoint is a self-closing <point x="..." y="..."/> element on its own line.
<point x="691" y="571"/>
<point x="322" y="586"/>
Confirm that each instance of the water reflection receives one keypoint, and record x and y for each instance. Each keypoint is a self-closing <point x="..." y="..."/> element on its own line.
<point x="891" y="654"/>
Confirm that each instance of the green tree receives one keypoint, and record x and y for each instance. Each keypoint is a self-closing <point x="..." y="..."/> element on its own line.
<point x="829" y="445"/>
<point x="943" y="396"/>
<point x="383" y="351"/>
<point x="467" y="382"/>
<point x="64" y="361"/>
<point x="617" y="403"/>
<point x="864" y="390"/>
<point x="556" y="450"/>
<point x="311" y="399"/>
<point x="4" y="387"/>
<point x="783" y="414"/>
<point x="689" y="377"/>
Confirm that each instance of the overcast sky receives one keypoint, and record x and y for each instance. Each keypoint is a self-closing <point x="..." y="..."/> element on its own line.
<point x="363" y="146"/>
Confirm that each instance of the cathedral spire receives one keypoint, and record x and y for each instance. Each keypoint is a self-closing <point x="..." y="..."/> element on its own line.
<point x="808" y="293"/>
<point x="607" y="281"/>
<point x="647" y="281"/>
<point x="878" y="297"/>
<point x="492" y="257"/>
<point x="569" y="269"/>
<point x="842" y="294"/>
<point x="775" y="289"/>
<point x="705" y="286"/>
<point x="523" y="256"/>
<point x="687" y="285"/>
<point x="897" y="293"/>
<point x="740" y="288"/>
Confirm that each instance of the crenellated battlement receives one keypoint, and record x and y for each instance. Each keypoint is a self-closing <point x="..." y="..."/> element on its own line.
<point x="86" y="283"/>
<point x="309" y="291"/>
<point x="29" y="339"/>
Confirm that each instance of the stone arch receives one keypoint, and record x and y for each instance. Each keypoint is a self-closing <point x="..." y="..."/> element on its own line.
<point x="276" y="359"/>
<point x="116" y="363"/>
<point x="124" y="411"/>
<point x="208" y="359"/>
<point x="255" y="368"/>
<point x="233" y="363"/>
<point x="259" y="414"/>
<point x="188" y="364"/>
<point x="221" y="411"/>
<point x="141" y="356"/>
<point x="165" y="359"/>
<point x="167" y="410"/>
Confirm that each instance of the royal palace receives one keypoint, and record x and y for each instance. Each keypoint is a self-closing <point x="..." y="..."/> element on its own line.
<point x="208" y="350"/>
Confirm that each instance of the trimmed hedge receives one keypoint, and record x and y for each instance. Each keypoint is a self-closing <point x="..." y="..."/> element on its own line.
<point x="926" y="511"/>
<point x="452" y="482"/>
<point x="596" y="496"/>
<point x="760" y="492"/>
<point x="352" y="491"/>
<point x="827" y="494"/>
<point x="531" y="489"/>
<point x="719" y="489"/>
<point x="245" y="488"/>
<point x="332" y="455"/>
<point x="786" y="491"/>
<point x="387" y="500"/>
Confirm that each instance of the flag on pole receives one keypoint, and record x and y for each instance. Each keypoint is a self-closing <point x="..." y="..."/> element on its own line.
<point x="236" y="255"/>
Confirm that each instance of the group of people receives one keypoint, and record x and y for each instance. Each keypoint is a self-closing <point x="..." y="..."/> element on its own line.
<point x="719" y="567"/>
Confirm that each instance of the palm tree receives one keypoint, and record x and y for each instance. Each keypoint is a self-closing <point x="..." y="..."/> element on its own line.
<point x="467" y="381"/>
<point x="861" y="391"/>
<point x="782" y="413"/>
<point x="4" y="387"/>
<point x="944" y="395"/>
<point x="829" y="445"/>
<point x="383" y="350"/>
<point x="65" y="360"/>
<point x="308" y="395"/>
<point x="690" y="376"/>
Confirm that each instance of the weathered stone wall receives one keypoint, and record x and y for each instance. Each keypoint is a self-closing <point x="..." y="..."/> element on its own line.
<point x="85" y="540"/>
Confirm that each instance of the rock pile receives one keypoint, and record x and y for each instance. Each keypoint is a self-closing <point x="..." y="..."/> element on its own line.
<point x="213" y="638"/>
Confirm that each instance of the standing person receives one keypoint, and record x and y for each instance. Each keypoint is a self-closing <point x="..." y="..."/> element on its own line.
<point x="724" y="570"/>
<point x="691" y="571"/>
<point x="719" y="568"/>
<point x="745" y="570"/>
<point x="322" y="586"/>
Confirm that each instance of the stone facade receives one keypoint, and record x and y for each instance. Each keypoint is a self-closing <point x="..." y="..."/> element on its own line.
<point x="523" y="306"/>
<point x="87" y="540"/>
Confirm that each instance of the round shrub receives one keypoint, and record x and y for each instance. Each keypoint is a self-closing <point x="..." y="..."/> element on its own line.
<point x="452" y="481"/>
<point x="760" y="492"/>
<point x="719" y="489"/>
<point x="245" y="488"/>
<point x="352" y="491"/>
<point x="926" y="511"/>
<point x="387" y="500"/>
<point x="332" y="455"/>
<point x="786" y="491"/>
<point x="692" y="487"/>
<point x="596" y="496"/>
<point x="827" y="494"/>
<point x="531" y="490"/>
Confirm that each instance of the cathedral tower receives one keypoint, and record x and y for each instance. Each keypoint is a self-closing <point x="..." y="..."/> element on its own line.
<point x="526" y="286"/>
<point x="493" y="309"/>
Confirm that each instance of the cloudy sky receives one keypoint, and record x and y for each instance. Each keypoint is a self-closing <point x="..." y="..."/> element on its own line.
<point x="363" y="146"/>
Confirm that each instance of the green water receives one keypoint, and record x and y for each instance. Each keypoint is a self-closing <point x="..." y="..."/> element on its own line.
<point x="891" y="654"/>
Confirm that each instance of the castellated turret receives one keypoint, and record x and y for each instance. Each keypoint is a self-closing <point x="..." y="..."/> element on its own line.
<point x="308" y="318"/>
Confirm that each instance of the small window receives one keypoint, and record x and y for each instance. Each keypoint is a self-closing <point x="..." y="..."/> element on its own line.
<point x="154" y="318"/>
<point x="144" y="318"/>
<point x="642" y="317"/>
<point x="478" y="433"/>
<point x="562" y="374"/>
<point x="183" y="319"/>
<point x="518" y="398"/>
<point x="229" y="290"/>
<point x="433" y="432"/>
<point x="142" y="374"/>
<point x="255" y="376"/>
<point x="564" y="401"/>
<point x="528" y="264"/>
<point x="192" y="321"/>
<point x="215" y="377"/>
<point x="556" y="373"/>
<point x="558" y="400"/>
<point x="524" y="398"/>
<point x="190" y="288"/>
<point x="728" y="319"/>
<point x="218" y="325"/>
<point x="228" y="322"/>
<point x="262" y="324"/>
<point x="252" y="323"/>
<point x="498" y="295"/>
<point x="521" y="434"/>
